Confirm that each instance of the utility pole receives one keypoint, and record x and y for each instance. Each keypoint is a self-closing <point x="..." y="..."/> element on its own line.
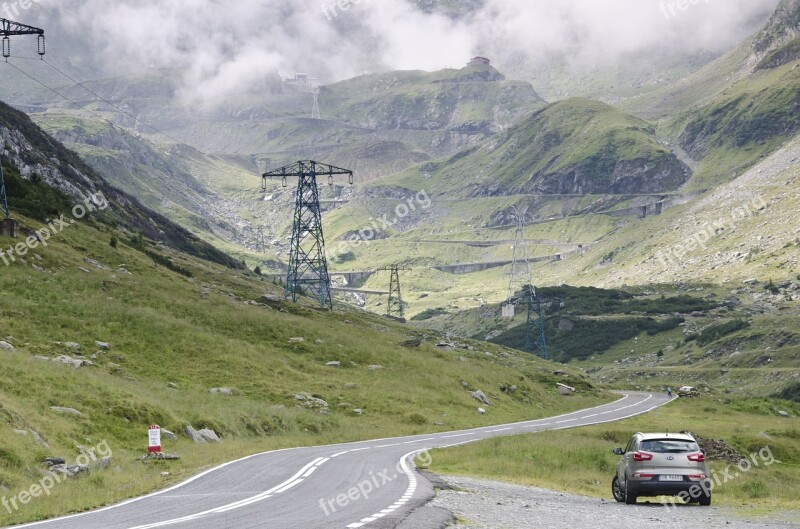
<point x="9" y="28"/>
<point x="308" y="266"/>
<point x="395" y="304"/>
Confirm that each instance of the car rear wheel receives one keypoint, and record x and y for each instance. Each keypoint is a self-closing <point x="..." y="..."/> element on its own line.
<point x="630" y="496"/>
<point x="616" y="490"/>
<point x="704" y="500"/>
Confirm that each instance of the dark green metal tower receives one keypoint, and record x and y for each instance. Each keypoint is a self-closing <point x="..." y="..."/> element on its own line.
<point x="308" y="266"/>
<point x="395" y="305"/>
<point x="534" y="327"/>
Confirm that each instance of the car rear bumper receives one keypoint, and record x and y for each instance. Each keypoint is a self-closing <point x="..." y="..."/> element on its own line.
<point x="668" y="488"/>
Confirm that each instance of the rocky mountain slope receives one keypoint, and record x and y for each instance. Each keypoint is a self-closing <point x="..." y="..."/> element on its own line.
<point x="33" y="160"/>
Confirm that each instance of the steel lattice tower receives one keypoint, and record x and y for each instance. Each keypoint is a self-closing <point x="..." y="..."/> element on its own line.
<point x="520" y="266"/>
<point x="534" y="326"/>
<point x="9" y="28"/>
<point x="315" y="113"/>
<point x="4" y="203"/>
<point x="395" y="304"/>
<point x="308" y="266"/>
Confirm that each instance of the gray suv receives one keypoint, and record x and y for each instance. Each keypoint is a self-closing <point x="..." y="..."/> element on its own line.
<point x="656" y="464"/>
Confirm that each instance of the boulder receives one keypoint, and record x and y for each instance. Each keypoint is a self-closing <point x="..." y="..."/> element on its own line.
<point x="72" y="345"/>
<point x="72" y="362"/>
<point x="221" y="391"/>
<point x="69" y="471"/>
<point x="209" y="435"/>
<point x="297" y="339"/>
<point x="312" y="403"/>
<point x="269" y="298"/>
<point x="52" y="461"/>
<point x="62" y="409"/>
<point x="102" y="345"/>
<point x="104" y="462"/>
<point x="193" y="434"/>
<point x="166" y="434"/>
<point x="375" y="367"/>
<point x="5" y="346"/>
<point x="480" y="396"/>
<point x="481" y="411"/>
<point x="334" y="364"/>
<point x="38" y="438"/>
<point x="358" y="411"/>
<point x="783" y="413"/>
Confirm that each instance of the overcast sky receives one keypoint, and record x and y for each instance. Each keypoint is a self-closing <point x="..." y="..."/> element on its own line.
<point x="227" y="46"/>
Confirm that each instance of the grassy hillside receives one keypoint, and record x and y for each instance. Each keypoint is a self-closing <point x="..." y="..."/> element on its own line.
<point x="580" y="460"/>
<point x="178" y="328"/>
<point x="571" y="147"/>
<point x="736" y="129"/>
<point x="472" y="99"/>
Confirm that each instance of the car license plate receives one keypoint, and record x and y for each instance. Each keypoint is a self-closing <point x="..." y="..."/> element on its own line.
<point x="670" y="477"/>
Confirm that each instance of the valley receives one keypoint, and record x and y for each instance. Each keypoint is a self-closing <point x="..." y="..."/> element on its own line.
<point x="651" y="200"/>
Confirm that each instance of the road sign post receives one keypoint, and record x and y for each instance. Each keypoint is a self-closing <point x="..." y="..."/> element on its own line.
<point x="155" y="439"/>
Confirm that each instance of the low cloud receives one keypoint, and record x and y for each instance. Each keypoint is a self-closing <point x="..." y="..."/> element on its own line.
<point x="228" y="48"/>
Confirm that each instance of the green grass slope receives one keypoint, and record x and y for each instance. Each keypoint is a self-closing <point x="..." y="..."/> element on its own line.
<point x="576" y="146"/>
<point x="171" y="318"/>
<point x="580" y="460"/>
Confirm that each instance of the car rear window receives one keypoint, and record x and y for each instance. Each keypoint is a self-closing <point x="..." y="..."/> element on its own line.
<point x="668" y="446"/>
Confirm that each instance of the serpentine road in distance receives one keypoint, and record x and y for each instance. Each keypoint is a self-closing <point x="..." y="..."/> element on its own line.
<point x="369" y="484"/>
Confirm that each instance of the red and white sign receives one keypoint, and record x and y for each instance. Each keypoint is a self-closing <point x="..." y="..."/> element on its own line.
<point x="155" y="439"/>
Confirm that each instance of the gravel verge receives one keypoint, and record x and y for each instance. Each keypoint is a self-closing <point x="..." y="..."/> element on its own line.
<point x="484" y="504"/>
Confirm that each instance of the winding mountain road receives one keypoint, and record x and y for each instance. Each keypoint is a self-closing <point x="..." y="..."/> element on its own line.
<point x="369" y="484"/>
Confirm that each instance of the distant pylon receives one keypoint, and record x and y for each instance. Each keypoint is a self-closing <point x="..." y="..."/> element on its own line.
<point x="3" y="199"/>
<point x="308" y="266"/>
<point x="261" y="244"/>
<point x="534" y="326"/>
<point x="315" y="113"/>
<point x="395" y="305"/>
<point x="520" y="274"/>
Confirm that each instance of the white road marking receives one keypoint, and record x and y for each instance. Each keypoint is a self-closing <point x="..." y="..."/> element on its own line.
<point x="278" y="489"/>
<point x="298" y="477"/>
<point x="412" y="488"/>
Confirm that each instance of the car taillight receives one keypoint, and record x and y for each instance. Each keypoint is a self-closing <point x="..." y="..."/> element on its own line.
<point x="642" y="456"/>
<point x="698" y="457"/>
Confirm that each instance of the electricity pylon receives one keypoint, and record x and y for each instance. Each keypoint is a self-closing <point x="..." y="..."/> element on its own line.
<point x="308" y="266"/>
<point x="395" y="304"/>
<point x="9" y="28"/>
<point x="520" y="274"/>
<point x="315" y="113"/>
<point x="534" y="326"/>
<point x="520" y="266"/>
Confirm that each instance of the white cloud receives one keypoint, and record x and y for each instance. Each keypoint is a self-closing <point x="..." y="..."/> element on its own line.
<point x="228" y="48"/>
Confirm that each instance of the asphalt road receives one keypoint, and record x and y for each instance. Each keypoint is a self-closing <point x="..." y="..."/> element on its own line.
<point x="370" y="484"/>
